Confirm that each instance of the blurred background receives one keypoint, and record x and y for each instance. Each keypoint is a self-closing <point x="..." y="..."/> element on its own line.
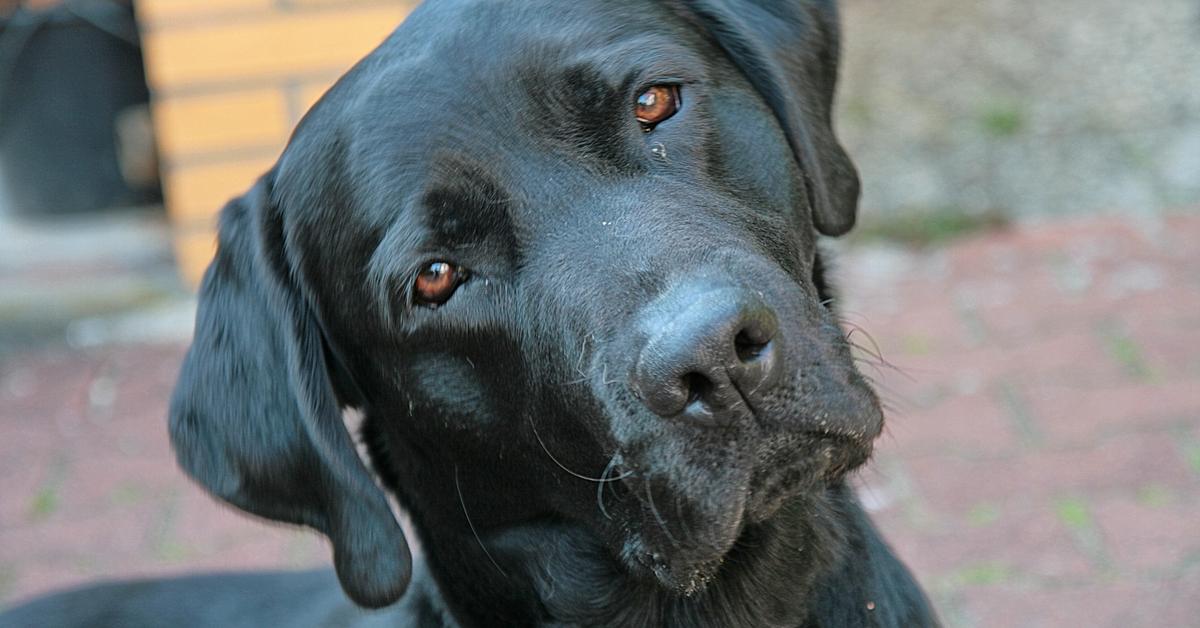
<point x="1025" y="283"/>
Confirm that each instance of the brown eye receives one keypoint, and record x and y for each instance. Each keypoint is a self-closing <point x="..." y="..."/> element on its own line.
<point x="436" y="283"/>
<point x="656" y="104"/>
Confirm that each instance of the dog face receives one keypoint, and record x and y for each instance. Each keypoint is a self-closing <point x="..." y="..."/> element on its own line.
<point x="562" y="256"/>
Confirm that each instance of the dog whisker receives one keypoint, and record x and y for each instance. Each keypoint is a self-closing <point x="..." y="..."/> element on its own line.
<point x="877" y="352"/>
<point x="855" y="327"/>
<point x="687" y="532"/>
<point x="612" y="464"/>
<point x="582" y="353"/>
<point x="876" y="359"/>
<point x="662" y="523"/>
<point x="874" y="351"/>
<point x="600" y="480"/>
<point x="890" y="398"/>
<point x="470" y="524"/>
<point x="876" y="368"/>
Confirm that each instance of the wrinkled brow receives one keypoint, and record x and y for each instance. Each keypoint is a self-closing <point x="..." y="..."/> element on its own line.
<point x="461" y="212"/>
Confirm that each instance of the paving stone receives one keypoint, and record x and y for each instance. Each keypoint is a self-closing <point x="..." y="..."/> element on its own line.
<point x="1168" y="601"/>
<point x="1154" y="530"/>
<point x="1120" y="463"/>
<point x="972" y="424"/>
<point x="1073" y="416"/>
<point x="992" y="541"/>
<point x="1031" y="606"/>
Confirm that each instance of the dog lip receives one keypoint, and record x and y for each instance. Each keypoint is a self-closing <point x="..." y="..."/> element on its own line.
<point x="846" y="439"/>
<point x="839" y="453"/>
<point x="789" y="469"/>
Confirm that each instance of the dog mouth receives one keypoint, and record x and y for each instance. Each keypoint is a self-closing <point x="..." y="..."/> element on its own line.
<point x="680" y="533"/>
<point x="682" y="555"/>
<point x="682" y="580"/>
<point x="783" y="474"/>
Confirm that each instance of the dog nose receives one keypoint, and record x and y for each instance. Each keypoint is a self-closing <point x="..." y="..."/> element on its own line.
<point x="707" y="356"/>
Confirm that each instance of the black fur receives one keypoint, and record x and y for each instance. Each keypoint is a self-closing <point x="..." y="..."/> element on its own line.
<point x="545" y="491"/>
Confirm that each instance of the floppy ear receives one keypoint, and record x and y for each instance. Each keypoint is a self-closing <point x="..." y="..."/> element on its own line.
<point x="788" y="49"/>
<point x="255" y="419"/>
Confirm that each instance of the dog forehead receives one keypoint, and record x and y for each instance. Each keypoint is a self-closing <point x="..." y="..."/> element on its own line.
<point x="475" y="66"/>
<point x="478" y="82"/>
<point x="488" y="26"/>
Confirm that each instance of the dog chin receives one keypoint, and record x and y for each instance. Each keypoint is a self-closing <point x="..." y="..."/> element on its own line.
<point x="687" y="581"/>
<point x="670" y="571"/>
<point x="680" y="532"/>
<point x="685" y="561"/>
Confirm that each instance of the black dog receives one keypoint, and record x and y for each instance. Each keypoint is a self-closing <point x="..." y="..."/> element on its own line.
<point x="562" y="257"/>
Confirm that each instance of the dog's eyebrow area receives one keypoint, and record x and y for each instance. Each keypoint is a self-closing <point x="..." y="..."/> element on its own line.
<point x="463" y="205"/>
<point x="592" y="93"/>
<point x="461" y="214"/>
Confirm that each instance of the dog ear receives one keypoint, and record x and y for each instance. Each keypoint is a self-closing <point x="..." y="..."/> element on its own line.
<point x="254" y="417"/>
<point x="788" y="50"/>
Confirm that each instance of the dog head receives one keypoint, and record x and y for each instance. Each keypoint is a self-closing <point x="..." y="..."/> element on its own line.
<point x="562" y="257"/>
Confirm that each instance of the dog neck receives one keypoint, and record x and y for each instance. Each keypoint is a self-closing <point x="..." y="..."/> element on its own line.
<point x="554" y="574"/>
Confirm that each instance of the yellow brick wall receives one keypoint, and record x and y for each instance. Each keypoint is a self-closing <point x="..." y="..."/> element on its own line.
<point x="229" y="79"/>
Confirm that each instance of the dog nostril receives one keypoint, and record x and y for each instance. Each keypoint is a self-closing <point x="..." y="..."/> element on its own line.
<point x="698" y="387"/>
<point x="750" y="346"/>
<point x="703" y="349"/>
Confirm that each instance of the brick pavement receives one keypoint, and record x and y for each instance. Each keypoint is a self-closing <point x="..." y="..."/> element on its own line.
<point x="1041" y="465"/>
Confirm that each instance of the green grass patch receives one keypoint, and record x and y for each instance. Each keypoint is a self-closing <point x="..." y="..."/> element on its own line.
<point x="8" y="578"/>
<point x="45" y="500"/>
<point x="44" y="503"/>
<point x="917" y="344"/>
<point x="980" y="574"/>
<point x="1155" y="496"/>
<point x="1191" y="453"/>
<point x="983" y="514"/>
<point x="858" y="111"/>
<point x="171" y="551"/>
<point x="1126" y="352"/>
<point x="126" y="494"/>
<point x="1073" y="512"/>
<point x="928" y="227"/>
<point x="1002" y="120"/>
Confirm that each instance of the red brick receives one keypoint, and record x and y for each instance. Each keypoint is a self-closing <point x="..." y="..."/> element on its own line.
<point x="48" y="384"/>
<point x="1169" y="348"/>
<point x="1032" y="606"/>
<point x="1168" y="601"/>
<point x="1127" y="462"/>
<point x="1026" y="539"/>
<point x="920" y="328"/>
<point x="1071" y="358"/>
<point x="1148" y="537"/>
<point x="1021" y="321"/>
<point x="1080" y="415"/>
<point x="963" y="424"/>
<point x="21" y="484"/>
<point x="91" y="486"/>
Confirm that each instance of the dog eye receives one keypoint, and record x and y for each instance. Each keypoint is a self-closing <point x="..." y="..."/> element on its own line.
<point x="436" y="283"/>
<point x="656" y="104"/>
